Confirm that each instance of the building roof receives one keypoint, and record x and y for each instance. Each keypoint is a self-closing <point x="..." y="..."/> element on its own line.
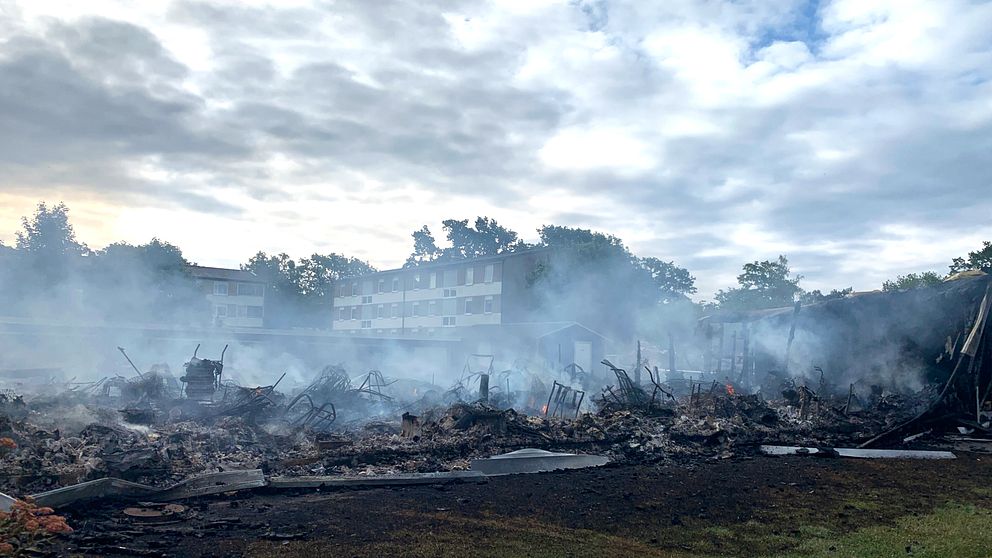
<point x="224" y="273"/>
<point x="543" y="329"/>
<point x="951" y="291"/>
<point x="435" y="265"/>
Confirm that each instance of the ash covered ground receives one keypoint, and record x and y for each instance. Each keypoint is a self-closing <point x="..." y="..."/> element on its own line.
<point x="143" y="433"/>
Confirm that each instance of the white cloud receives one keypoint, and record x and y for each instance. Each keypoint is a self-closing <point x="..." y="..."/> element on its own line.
<point x="577" y="150"/>
<point x="855" y="139"/>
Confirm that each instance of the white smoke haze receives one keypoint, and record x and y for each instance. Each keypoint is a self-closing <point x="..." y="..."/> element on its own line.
<point x="72" y="313"/>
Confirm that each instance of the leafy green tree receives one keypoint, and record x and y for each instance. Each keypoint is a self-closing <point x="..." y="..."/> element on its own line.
<point x="488" y="238"/>
<point x="156" y="255"/>
<point x="48" y="244"/>
<point x="49" y="232"/>
<point x="814" y="296"/>
<point x="978" y="260"/>
<point x="317" y="274"/>
<point x="673" y="282"/>
<point x="278" y="271"/>
<point x="284" y="306"/>
<point x="763" y="284"/>
<point x="147" y="283"/>
<point x="593" y="278"/>
<point x="484" y="238"/>
<point x="300" y="292"/>
<point x="913" y="281"/>
<point x="425" y="248"/>
<point x="584" y="244"/>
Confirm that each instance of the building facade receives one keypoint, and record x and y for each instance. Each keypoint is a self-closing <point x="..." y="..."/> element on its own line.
<point x="236" y="297"/>
<point x="436" y="299"/>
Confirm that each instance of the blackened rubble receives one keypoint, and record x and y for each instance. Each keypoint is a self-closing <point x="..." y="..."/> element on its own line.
<point x="711" y="423"/>
<point x="147" y="429"/>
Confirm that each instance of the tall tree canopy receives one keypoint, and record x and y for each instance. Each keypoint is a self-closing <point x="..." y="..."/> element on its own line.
<point x="814" y="296"/>
<point x="50" y="272"/>
<point x="763" y="284"/>
<point x="590" y="277"/>
<point x="913" y="281"/>
<point x="485" y="238"/>
<point x="593" y="278"/>
<point x="49" y="232"/>
<point x="978" y="260"/>
<point x="673" y="282"/>
<point x="47" y="243"/>
<point x="300" y="292"/>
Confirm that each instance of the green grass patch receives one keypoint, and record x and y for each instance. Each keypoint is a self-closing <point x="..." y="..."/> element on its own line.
<point x="962" y="531"/>
<point x="460" y="536"/>
<point x="954" y="530"/>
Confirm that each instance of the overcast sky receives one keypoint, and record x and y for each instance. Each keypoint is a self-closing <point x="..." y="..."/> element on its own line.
<point x="854" y="136"/>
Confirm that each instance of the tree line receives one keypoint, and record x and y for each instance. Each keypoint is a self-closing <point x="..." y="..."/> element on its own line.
<point x="590" y="277"/>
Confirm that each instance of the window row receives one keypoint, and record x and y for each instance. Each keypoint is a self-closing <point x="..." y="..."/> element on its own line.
<point x="447" y="321"/>
<point x="230" y="288"/>
<point x="237" y="311"/>
<point x="414" y="280"/>
<point x="444" y="307"/>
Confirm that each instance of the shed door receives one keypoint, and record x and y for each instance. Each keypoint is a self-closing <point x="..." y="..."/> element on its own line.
<point x="583" y="355"/>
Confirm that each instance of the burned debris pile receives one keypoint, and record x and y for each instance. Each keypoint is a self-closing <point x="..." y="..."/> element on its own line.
<point x="161" y="432"/>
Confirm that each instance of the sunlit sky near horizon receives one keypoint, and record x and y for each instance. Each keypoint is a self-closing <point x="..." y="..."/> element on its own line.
<point x="854" y="136"/>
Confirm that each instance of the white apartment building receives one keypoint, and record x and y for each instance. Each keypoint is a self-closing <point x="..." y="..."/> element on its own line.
<point x="434" y="298"/>
<point x="236" y="297"/>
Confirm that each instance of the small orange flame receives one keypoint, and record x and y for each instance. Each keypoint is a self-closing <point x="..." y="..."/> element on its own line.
<point x="544" y="409"/>
<point x="730" y="389"/>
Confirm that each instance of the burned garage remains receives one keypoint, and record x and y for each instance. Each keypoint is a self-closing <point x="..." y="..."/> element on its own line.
<point x="114" y="463"/>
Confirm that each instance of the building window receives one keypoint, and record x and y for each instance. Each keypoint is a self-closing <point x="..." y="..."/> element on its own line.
<point x="220" y="288"/>
<point x="451" y="277"/>
<point x="395" y="311"/>
<point x="433" y="280"/>
<point x="449" y="293"/>
<point x="432" y="308"/>
<point x="449" y="307"/>
<point x="255" y="312"/>
<point x="381" y="286"/>
<point x="367" y="299"/>
<point x="468" y="306"/>
<point x="487" y="305"/>
<point x="354" y="289"/>
<point x="416" y="280"/>
<point x="489" y="273"/>
<point x="470" y="276"/>
<point x="249" y="289"/>
<point x="221" y="311"/>
<point x="448" y="321"/>
<point x="366" y="324"/>
<point x="396" y="284"/>
<point x="232" y="311"/>
<point x="416" y="309"/>
<point x="343" y="313"/>
<point x="380" y="311"/>
<point x="355" y="312"/>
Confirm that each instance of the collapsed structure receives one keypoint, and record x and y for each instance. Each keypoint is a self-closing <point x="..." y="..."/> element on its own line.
<point x="898" y="370"/>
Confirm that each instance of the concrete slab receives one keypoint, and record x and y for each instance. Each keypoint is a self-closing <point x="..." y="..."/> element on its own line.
<point x="6" y="502"/>
<point x="858" y="453"/>
<point x="531" y="460"/>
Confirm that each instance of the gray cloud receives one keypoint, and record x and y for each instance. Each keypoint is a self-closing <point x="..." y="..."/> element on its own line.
<point x="827" y="148"/>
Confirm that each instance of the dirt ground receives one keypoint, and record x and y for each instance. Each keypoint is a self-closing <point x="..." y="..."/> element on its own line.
<point x="760" y="506"/>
